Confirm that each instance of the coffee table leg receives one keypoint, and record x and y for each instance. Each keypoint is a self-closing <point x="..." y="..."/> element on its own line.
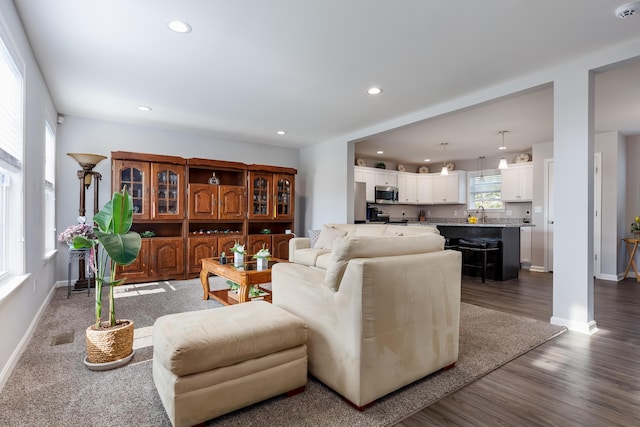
<point x="243" y="293"/>
<point x="204" y="280"/>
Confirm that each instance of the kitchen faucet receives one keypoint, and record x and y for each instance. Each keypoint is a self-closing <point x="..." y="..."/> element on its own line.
<point x="484" y="216"/>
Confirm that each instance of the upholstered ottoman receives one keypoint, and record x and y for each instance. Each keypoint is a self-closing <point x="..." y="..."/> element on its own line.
<point x="211" y="362"/>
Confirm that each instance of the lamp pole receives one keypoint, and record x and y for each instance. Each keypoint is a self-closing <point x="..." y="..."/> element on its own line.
<point x="85" y="176"/>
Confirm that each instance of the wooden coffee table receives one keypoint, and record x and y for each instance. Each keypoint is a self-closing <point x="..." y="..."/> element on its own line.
<point x="245" y="276"/>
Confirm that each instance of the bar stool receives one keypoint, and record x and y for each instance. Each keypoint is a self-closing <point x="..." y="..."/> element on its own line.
<point x="451" y="243"/>
<point x="471" y="247"/>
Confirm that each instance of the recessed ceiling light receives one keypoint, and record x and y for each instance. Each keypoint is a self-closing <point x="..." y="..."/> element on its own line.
<point x="281" y="132"/>
<point x="179" y="26"/>
<point x="374" y="91"/>
<point x="427" y="160"/>
<point x="627" y="10"/>
<point x="380" y="152"/>
<point x="144" y="108"/>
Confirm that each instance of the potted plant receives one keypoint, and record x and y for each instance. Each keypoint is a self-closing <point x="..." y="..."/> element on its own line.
<point x="79" y="229"/>
<point x="238" y="254"/>
<point x="110" y="342"/>
<point x="635" y="226"/>
<point x="262" y="258"/>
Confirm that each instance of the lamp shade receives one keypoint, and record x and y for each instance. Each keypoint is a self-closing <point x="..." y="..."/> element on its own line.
<point x="503" y="164"/>
<point x="87" y="161"/>
<point x="444" y="171"/>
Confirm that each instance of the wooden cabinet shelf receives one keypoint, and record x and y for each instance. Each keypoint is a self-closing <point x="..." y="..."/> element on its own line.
<point x="198" y="208"/>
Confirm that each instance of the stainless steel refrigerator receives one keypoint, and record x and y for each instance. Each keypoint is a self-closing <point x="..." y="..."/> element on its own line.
<point x="360" y="202"/>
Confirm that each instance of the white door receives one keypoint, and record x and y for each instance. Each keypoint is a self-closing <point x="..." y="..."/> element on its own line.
<point x="597" y="220"/>
<point x="597" y="217"/>
<point x="549" y="214"/>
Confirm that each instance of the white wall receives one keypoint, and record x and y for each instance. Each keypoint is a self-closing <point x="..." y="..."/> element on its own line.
<point x="19" y="310"/>
<point x="328" y="183"/>
<point x="100" y="137"/>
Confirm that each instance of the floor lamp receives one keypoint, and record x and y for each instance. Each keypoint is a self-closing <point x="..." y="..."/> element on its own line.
<point x="87" y="162"/>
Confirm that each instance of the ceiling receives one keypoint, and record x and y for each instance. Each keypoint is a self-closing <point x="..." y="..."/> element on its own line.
<point x="250" y="68"/>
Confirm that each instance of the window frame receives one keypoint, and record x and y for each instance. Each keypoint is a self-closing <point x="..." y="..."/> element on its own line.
<point x="50" y="232"/>
<point x="12" y="252"/>
<point x="471" y="203"/>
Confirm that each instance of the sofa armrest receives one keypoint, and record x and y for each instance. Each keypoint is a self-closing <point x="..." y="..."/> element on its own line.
<point x="298" y="243"/>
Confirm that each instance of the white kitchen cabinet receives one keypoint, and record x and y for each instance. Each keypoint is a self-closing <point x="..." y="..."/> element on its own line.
<point x="424" y="189"/>
<point x="525" y="246"/>
<point x="450" y="189"/>
<point x="407" y="191"/>
<point x="368" y="176"/>
<point x="517" y="183"/>
<point x="385" y="177"/>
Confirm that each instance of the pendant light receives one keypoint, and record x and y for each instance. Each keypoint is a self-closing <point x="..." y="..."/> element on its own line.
<point x="503" y="161"/>
<point x="481" y="161"/>
<point x="445" y="170"/>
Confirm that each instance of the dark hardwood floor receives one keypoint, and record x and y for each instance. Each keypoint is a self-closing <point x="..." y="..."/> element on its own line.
<point x="571" y="380"/>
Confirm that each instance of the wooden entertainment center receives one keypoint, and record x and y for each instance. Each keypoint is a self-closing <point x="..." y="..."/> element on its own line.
<point x="189" y="209"/>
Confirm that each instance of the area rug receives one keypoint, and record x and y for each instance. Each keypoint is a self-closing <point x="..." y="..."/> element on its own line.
<point x="51" y="387"/>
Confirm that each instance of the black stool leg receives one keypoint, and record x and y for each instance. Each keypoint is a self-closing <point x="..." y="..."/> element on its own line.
<point x="484" y="265"/>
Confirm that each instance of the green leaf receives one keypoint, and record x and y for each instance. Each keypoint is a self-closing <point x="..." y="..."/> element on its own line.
<point x="123" y="249"/>
<point x="81" y="242"/>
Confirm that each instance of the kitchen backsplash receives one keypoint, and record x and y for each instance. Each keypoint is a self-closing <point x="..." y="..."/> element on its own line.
<point x="459" y="213"/>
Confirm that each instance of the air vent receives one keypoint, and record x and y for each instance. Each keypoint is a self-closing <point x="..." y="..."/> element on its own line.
<point x="627" y="10"/>
<point x="64" y="338"/>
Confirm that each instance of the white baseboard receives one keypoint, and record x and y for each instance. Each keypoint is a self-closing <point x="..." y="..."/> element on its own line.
<point x="537" y="269"/>
<point x="588" y="328"/>
<point x="22" y="345"/>
<point x="611" y="277"/>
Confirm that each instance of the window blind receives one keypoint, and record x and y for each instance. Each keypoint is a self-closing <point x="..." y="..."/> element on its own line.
<point x="10" y="110"/>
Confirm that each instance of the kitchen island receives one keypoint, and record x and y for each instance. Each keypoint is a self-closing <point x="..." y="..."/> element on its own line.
<point x="508" y="259"/>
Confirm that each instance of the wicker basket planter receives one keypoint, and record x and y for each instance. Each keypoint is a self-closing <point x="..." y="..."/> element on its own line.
<point x="109" y="344"/>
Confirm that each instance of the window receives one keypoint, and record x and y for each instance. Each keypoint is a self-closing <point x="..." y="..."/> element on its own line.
<point x="11" y="156"/>
<point x="485" y="190"/>
<point x="49" y="189"/>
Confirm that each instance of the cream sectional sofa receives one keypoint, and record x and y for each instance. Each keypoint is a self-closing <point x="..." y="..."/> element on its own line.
<point x="382" y="305"/>
<point x="302" y="251"/>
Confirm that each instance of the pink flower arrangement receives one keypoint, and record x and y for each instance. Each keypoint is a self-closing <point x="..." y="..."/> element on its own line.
<point x="76" y="230"/>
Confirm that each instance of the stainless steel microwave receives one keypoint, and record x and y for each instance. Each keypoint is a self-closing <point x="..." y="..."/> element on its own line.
<point x="386" y="194"/>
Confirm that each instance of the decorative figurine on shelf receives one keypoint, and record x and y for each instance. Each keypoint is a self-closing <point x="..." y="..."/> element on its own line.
<point x="214" y="179"/>
<point x="223" y="258"/>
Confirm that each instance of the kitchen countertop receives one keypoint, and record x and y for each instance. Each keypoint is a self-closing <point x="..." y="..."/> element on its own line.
<point x="466" y="224"/>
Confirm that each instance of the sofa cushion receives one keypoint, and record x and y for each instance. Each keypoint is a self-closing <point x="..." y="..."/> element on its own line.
<point x="351" y="247"/>
<point x="327" y="237"/>
<point x="308" y="256"/>
<point x="323" y="260"/>
<point x="402" y="230"/>
<point x="313" y="237"/>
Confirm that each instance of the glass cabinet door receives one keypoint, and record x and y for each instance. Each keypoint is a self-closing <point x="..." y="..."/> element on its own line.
<point x="134" y="177"/>
<point x="260" y="203"/>
<point x="167" y="193"/>
<point x="284" y="196"/>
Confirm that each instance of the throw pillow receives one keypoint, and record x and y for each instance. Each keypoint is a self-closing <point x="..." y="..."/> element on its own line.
<point x="313" y="237"/>
<point x="327" y="237"/>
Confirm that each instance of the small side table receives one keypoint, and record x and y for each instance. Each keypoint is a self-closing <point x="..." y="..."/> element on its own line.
<point x="78" y="254"/>
<point x="632" y="246"/>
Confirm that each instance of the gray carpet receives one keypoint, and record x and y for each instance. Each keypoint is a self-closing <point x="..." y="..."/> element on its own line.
<point x="50" y="386"/>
